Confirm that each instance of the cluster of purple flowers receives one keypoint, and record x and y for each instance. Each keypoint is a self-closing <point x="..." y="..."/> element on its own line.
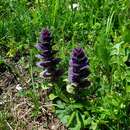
<point x="78" y="68"/>
<point x="78" y="65"/>
<point x="48" y="62"/>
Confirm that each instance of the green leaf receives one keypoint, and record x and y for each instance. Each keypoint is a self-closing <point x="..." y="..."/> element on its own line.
<point x="62" y="116"/>
<point x="87" y="121"/>
<point x="75" y="106"/>
<point x="71" y="118"/>
<point x="45" y="86"/>
<point x="127" y="89"/>
<point x="52" y="96"/>
<point x="93" y="125"/>
<point x="79" y="119"/>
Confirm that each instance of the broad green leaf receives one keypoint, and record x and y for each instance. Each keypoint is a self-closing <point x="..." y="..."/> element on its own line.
<point x="79" y="118"/>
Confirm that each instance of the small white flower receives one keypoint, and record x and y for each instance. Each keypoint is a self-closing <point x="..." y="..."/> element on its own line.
<point x="74" y="6"/>
<point x="18" y="87"/>
<point x="1" y="103"/>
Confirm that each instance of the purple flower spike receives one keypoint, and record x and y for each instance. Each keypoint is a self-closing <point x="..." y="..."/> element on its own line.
<point x="78" y="67"/>
<point x="45" y="36"/>
<point x="48" y="60"/>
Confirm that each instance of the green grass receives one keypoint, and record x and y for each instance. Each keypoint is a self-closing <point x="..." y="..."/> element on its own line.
<point x="101" y="27"/>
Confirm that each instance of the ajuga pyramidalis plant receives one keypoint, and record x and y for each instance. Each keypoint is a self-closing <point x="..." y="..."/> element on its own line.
<point x="47" y="55"/>
<point x="78" y="69"/>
